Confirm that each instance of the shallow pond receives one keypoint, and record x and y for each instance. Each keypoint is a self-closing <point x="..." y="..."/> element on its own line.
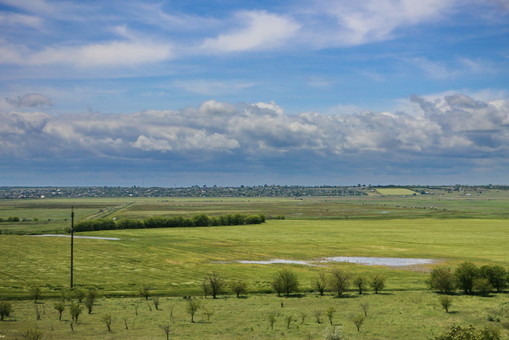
<point x="369" y="261"/>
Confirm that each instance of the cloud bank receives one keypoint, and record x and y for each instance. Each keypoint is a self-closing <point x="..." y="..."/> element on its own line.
<point x="450" y="131"/>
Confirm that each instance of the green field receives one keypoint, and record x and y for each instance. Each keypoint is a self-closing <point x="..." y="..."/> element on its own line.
<point x="396" y="192"/>
<point x="449" y="228"/>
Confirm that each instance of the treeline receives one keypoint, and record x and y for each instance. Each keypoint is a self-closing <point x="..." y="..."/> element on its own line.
<point x="10" y="219"/>
<point x="201" y="220"/>
<point x="469" y="278"/>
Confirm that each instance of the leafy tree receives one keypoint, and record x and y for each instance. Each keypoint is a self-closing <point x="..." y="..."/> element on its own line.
<point x="285" y="282"/>
<point x="320" y="283"/>
<point x="340" y="281"/>
<point x="465" y="275"/>
<point x="482" y="286"/>
<point x="213" y="284"/>
<point x="445" y="302"/>
<point x="238" y="287"/>
<point x="496" y="275"/>
<point x="201" y="220"/>
<point x="192" y="307"/>
<point x="441" y="279"/>
<point x="90" y="298"/>
<point x="5" y="309"/>
<point x="360" y="282"/>
<point x="75" y="310"/>
<point x="60" y="307"/>
<point x="377" y="283"/>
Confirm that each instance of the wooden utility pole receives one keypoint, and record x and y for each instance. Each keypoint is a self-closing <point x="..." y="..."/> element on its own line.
<point x="72" y="246"/>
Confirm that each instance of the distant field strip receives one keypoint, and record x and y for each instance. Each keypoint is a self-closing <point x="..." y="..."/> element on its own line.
<point x="396" y="192"/>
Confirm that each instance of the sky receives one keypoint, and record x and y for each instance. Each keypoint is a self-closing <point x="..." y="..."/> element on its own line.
<point x="230" y="92"/>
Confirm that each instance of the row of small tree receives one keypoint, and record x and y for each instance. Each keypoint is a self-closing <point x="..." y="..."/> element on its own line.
<point x="337" y="281"/>
<point x="468" y="278"/>
<point x="201" y="220"/>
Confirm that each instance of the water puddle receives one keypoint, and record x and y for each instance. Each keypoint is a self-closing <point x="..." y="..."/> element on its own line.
<point x="91" y="237"/>
<point x="379" y="261"/>
<point x="368" y="261"/>
<point x="274" y="261"/>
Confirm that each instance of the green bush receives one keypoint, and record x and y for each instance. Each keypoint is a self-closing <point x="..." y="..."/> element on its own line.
<point x="465" y="275"/>
<point x="458" y="332"/>
<point x="200" y="220"/>
<point x="285" y="282"/>
<point x="442" y="280"/>
<point x="5" y="309"/>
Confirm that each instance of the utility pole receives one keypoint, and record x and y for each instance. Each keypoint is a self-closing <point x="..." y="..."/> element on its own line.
<point x="72" y="245"/>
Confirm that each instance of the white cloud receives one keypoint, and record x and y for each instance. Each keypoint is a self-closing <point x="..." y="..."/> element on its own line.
<point x="439" y="70"/>
<point x="16" y="19"/>
<point x="455" y="126"/>
<point x="114" y="53"/>
<point x="348" y="23"/>
<point x="210" y="87"/>
<point x="30" y="100"/>
<point x="262" y="30"/>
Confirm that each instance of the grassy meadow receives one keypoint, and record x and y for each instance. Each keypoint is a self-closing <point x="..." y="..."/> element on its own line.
<point x="447" y="227"/>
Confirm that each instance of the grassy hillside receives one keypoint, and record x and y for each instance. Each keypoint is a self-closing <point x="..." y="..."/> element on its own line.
<point x="449" y="228"/>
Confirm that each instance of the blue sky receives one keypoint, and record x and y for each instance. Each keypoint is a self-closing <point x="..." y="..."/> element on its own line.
<point x="254" y="92"/>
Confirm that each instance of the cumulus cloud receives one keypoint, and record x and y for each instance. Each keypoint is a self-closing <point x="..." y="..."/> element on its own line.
<point x="30" y="100"/>
<point x="456" y="126"/>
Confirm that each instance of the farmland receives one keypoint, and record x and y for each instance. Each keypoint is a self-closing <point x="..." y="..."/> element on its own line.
<point x="448" y="227"/>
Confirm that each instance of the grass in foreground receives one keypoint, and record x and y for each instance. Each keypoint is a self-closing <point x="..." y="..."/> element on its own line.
<point x="392" y="315"/>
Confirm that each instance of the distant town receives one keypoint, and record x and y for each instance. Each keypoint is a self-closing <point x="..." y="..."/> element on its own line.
<point x="220" y="191"/>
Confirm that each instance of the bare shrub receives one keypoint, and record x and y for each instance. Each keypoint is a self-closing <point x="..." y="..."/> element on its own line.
<point x="145" y="291"/>
<point x="192" y="307"/>
<point x="107" y="319"/>
<point x="60" y="307"/>
<point x="445" y="302"/>
<point x="238" y="287"/>
<point x="320" y="283"/>
<point x="271" y="317"/>
<point x="330" y="314"/>
<point x="358" y="320"/>
<point x="378" y="283"/>
<point x="365" y="308"/>
<point x="213" y="284"/>
<point x="340" y="281"/>
<point x="32" y="334"/>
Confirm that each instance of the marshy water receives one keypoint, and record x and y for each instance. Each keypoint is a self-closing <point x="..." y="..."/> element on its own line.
<point x="369" y="261"/>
